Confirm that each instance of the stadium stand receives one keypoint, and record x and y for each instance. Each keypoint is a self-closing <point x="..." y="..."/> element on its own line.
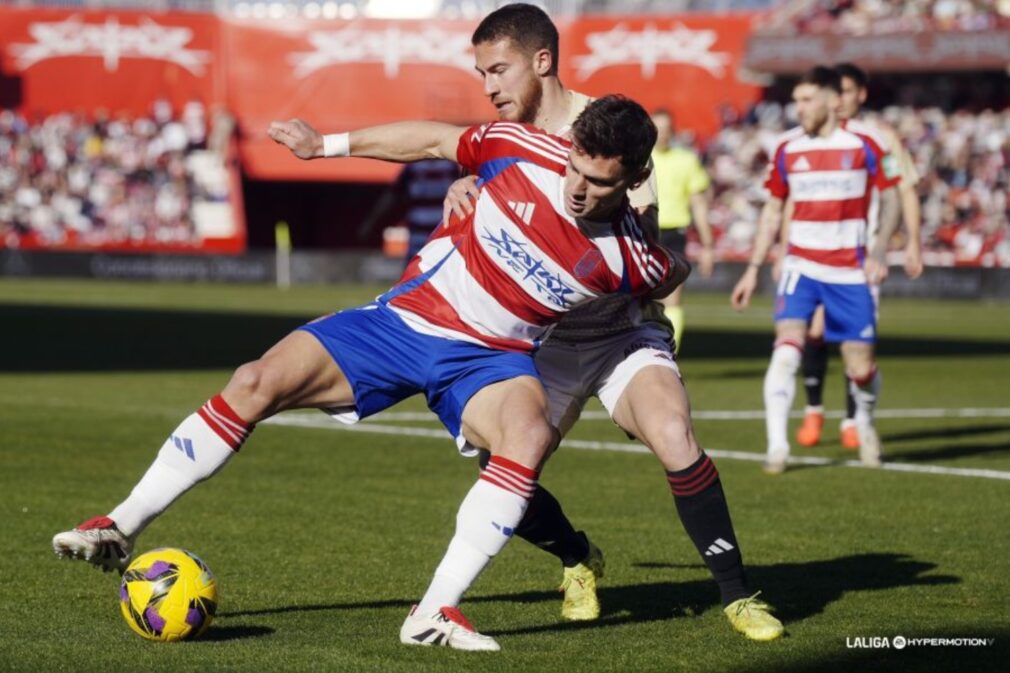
<point x="69" y="181"/>
<point x="860" y="17"/>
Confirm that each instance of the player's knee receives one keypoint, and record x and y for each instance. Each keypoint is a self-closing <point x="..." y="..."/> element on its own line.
<point x="529" y="442"/>
<point x="860" y="370"/>
<point x="255" y="384"/>
<point x="673" y="438"/>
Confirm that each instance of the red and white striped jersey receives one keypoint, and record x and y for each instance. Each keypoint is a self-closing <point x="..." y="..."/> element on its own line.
<point x="830" y="181"/>
<point x="502" y="276"/>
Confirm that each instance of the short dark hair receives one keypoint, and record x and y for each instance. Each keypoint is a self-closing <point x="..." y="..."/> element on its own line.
<point x="526" y="25"/>
<point x="615" y="126"/>
<point x="823" y="77"/>
<point x="853" y="72"/>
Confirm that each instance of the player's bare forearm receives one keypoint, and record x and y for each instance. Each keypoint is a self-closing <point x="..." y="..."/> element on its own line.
<point x="403" y="142"/>
<point x="890" y="210"/>
<point x="699" y="213"/>
<point x="911" y="211"/>
<point x="768" y="226"/>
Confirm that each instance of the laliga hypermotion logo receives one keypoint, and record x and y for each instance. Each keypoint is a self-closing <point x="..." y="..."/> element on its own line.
<point x="651" y="47"/>
<point x="111" y="41"/>
<point x="391" y="46"/>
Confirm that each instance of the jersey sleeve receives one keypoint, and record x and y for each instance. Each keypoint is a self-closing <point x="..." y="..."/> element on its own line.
<point x="646" y="264"/>
<point x="645" y="194"/>
<point x="882" y="167"/>
<point x="469" y="152"/>
<point x="777" y="182"/>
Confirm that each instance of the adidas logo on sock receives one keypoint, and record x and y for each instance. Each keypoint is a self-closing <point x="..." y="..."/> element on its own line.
<point x="720" y="546"/>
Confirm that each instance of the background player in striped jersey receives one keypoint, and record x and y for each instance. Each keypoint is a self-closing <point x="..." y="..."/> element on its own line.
<point x="829" y="173"/>
<point x="607" y="350"/>
<point x="459" y="326"/>
<point x="897" y="162"/>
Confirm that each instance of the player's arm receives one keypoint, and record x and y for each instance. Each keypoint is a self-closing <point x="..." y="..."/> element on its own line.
<point x="911" y="212"/>
<point x="783" y="249"/>
<point x="699" y="216"/>
<point x="400" y="142"/>
<point x="768" y="227"/>
<point x="890" y="211"/>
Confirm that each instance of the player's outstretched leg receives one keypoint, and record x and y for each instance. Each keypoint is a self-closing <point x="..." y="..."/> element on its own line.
<point x="509" y="417"/>
<point x="298" y="371"/>
<point x="654" y="408"/>
<point x="546" y="526"/>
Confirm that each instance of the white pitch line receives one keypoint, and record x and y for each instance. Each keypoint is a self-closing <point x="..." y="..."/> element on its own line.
<point x="754" y="414"/>
<point x="325" y="423"/>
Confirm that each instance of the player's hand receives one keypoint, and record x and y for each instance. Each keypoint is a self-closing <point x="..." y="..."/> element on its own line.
<point x="706" y="261"/>
<point x="913" y="260"/>
<point x="458" y="198"/>
<point x="304" y="141"/>
<point x="744" y="290"/>
<point x="876" y="270"/>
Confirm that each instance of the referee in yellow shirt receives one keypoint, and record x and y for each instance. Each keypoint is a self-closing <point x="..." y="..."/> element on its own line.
<point x="682" y="185"/>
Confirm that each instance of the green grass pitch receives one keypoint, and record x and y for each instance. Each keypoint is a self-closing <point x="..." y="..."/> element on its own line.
<point x="321" y="538"/>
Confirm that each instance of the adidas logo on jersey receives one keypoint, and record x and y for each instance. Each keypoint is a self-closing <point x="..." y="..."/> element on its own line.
<point x="720" y="546"/>
<point x="801" y="164"/>
<point x="523" y="209"/>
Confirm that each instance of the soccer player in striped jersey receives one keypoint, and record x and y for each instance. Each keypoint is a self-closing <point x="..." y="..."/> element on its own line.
<point x="615" y="349"/>
<point x="896" y="162"/>
<point x="829" y="173"/>
<point x="459" y="326"/>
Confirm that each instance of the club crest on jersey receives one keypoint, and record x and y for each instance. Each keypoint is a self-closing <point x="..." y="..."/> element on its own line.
<point x="531" y="269"/>
<point x="585" y="266"/>
<point x="848" y="160"/>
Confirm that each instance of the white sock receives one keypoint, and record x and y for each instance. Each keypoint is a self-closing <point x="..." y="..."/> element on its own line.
<point x="779" y="390"/>
<point x="198" y="448"/>
<point x="866" y="396"/>
<point x="485" y="522"/>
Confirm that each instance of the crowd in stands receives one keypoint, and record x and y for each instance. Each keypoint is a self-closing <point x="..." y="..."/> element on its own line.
<point x="71" y="181"/>
<point x="67" y="181"/>
<point x="963" y="158"/>
<point x="860" y="17"/>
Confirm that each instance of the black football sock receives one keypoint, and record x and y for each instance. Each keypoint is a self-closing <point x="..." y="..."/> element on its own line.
<point x="546" y="526"/>
<point x="702" y="507"/>
<point x="815" y="367"/>
<point x="850" y="402"/>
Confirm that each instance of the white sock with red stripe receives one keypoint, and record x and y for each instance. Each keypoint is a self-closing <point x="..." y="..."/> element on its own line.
<point x="196" y="450"/>
<point x="485" y="522"/>
<point x="779" y="390"/>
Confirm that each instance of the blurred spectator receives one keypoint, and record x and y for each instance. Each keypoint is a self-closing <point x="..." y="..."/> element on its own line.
<point x="859" y="17"/>
<point x="69" y="181"/>
<point x="965" y="192"/>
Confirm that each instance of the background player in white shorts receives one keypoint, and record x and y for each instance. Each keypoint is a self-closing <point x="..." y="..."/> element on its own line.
<point x="607" y="350"/>
<point x="897" y="162"/>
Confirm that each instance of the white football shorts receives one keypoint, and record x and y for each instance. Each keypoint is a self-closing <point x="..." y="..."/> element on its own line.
<point x="574" y="372"/>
